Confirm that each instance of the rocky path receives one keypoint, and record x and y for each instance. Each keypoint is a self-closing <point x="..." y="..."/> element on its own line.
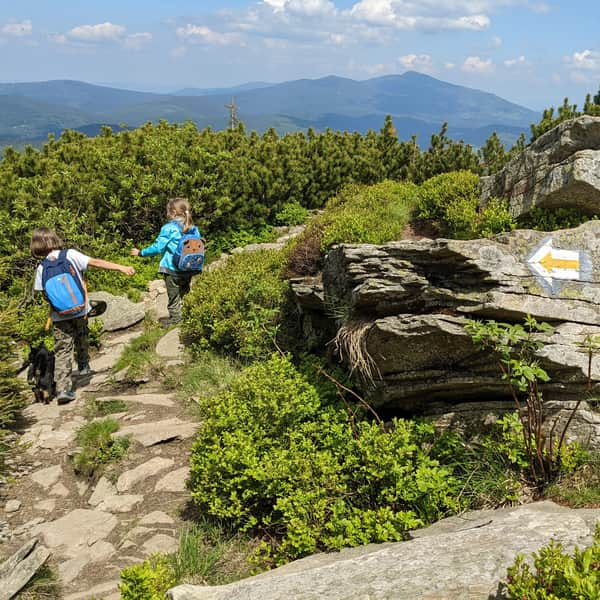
<point x="95" y="527"/>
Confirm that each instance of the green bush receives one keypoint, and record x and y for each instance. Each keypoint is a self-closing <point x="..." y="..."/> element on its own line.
<point x="449" y="202"/>
<point x="291" y="214"/>
<point x="557" y="575"/>
<point x="368" y="214"/>
<point x="12" y="390"/>
<point x="270" y="456"/>
<point x="236" y="309"/>
<point x="149" y="580"/>
<point x="545" y="219"/>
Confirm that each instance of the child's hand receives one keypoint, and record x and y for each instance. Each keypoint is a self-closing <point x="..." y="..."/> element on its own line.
<point x="134" y="252"/>
<point x="128" y="270"/>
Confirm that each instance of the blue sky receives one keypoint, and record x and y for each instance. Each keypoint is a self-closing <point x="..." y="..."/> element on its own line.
<point x="534" y="52"/>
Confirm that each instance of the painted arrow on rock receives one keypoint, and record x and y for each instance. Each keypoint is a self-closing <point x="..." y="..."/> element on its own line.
<point x="550" y="264"/>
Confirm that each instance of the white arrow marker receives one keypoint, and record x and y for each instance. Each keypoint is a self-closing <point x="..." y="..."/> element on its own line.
<point x="550" y="263"/>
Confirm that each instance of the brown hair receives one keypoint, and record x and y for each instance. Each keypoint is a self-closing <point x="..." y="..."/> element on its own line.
<point x="43" y="241"/>
<point x="180" y="207"/>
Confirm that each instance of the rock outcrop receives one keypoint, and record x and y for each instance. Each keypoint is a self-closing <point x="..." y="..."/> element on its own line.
<point x="402" y="307"/>
<point x="462" y="557"/>
<point x="561" y="169"/>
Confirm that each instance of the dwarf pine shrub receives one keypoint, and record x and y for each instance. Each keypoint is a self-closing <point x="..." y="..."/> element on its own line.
<point x="236" y="309"/>
<point x="271" y="457"/>
<point x="12" y="397"/>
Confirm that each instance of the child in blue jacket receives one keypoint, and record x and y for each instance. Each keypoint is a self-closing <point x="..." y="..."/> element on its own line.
<point x="177" y="282"/>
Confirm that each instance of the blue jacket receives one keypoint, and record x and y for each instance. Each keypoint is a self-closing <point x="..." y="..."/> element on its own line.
<point x="165" y="244"/>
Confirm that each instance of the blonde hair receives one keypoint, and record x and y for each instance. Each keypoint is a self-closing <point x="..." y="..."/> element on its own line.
<point x="180" y="207"/>
<point x="43" y="241"/>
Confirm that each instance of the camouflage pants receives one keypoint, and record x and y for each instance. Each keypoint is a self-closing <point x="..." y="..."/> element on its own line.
<point x="69" y="336"/>
<point x="178" y="285"/>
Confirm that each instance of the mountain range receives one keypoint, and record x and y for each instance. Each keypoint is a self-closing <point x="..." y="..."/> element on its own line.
<point x="418" y="103"/>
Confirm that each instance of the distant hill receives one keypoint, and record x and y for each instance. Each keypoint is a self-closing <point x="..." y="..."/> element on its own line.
<point x="418" y="103"/>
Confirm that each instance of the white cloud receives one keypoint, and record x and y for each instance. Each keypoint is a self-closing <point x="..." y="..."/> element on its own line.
<point x="337" y="39"/>
<point x="587" y="59"/>
<point x="475" y="64"/>
<point x="137" y="40"/>
<point x="520" y="61"/>
<point x="402" y="14"/>
<point x="97" y="33"/>
<point x="310" y="8"/>
<point x="201" y="34"/>
<point x="496" y="41"/>
<point x="276" y="4"/>
<point x="449" y="65"/>
<point x="21" y="29"/>
<point x="417" y="62"/>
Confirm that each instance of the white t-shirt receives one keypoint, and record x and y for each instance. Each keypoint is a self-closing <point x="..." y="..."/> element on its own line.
<point x="79" y="261"/>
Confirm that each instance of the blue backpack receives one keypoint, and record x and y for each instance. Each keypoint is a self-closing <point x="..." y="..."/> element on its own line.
<point x="189" y="254"/>
<point x="63" y="287"/>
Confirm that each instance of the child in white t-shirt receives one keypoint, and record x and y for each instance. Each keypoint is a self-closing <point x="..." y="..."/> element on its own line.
<point x="70" y="333"/>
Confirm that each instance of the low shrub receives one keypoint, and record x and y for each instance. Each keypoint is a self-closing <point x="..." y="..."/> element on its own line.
<point x="544" y="219"/>
<point x="450" y="202"/>
<point x="149" y="580"/>
<point x="359" y="214"/>
<point x="236" y="309"/>
<point x="12" y="390"/>
<point x="556" y="574"/>
<point x="291" y="214"/>
<point x="270" y="457"/>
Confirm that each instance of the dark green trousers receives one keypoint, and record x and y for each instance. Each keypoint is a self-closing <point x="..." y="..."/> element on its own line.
<point x="71" y="335"/>
<point x="178" y="285"/>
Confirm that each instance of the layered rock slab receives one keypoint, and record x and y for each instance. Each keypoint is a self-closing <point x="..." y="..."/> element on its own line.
<point x="458" y="558"/>
<point x="405" y="306"/>
<point x="561" y="169"/>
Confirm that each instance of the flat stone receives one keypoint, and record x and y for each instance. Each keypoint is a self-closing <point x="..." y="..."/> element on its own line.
<point x="46" y="505"/>
<point x="12" y="506"/>
<point x="59" y="490"/>
<point x="138" y="532"/>
<point x="151" y="467"/>
<point x="169" y="346"/>
<point x="156" y="432"/>
<point x="97" y="383"/>
<point x="174" y="481"/>
<point x="27" y="527"/>
<point x="104" y="489"/>
<point x="149" y="399"/>
<point x="82" y="487"/>
<point x="42" y="412"/>
<point x="160" y="543"/>
<point x="127" y="545"/>
<point x="77" y="530"/>
<point x="108" y="360"/>
<point x="98" y="591"/>
<point x="121" y="339"/>
<point x="47" y="477"/>
<point x="55" y="440"/>
<point x="155" y="518"/>
<point x="98" y="552"/>
<point x="121" y="503"/>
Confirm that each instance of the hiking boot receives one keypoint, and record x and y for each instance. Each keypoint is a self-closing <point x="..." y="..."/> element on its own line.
<point x="84" y="370"/>
<point x="65" y="397"/>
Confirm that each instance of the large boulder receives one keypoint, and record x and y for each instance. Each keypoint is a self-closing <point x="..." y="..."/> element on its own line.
<point x="561" y="169"/>
<point x="120" y="311"/>
<point x="400" y="309"/>
<point x="460" y="558"/>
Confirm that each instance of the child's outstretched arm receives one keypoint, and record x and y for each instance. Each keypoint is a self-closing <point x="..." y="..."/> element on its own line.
<point x="104" y="264"/>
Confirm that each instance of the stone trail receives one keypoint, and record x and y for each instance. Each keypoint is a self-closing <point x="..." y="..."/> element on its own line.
<point x="95" y="528"/>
